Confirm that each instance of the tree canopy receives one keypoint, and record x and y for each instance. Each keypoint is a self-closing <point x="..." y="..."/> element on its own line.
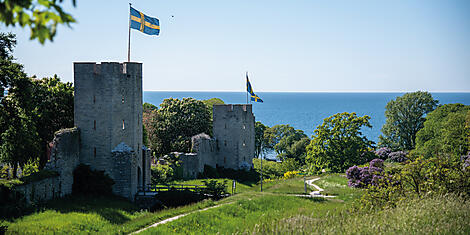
<point x="171" y="127"/>
<point x="287" y="142"/>
<point x="404" y="118"/>
<point x="42" y="17"/>
<point x="338" y="143"/>
<point x="32" y="110"/>
<point x="445" y="131"/>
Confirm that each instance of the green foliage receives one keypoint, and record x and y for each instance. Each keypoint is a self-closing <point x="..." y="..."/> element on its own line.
<point x="162" y="174"/>
<point x="5" y="172"/>
<point x="28" y="122"/>
<point x="39" y="175"/>
<point x="171" y="127"/>
<point x="215" y="188"/>
<point x="339" y="143"/>
<point x="445" y="132"/>
<point x="88" y="181"/>
<point x="211" y="102"/>
<point x="31" y="167"/>
<point x="275" y="170"/>
<point x="42" y="16"/>
<point x="220" y="172"/>
<point x="432" y="176"/>
<point x="260" y="145"/>
<point x="149" y="107"/>
<point x="404" y="118"/>
<point x="286" y="141"/>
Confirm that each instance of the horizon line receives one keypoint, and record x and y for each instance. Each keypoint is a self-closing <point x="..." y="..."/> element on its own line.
<point x="378" y="91"/>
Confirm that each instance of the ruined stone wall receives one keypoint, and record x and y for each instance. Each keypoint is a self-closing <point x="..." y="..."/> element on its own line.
<point x="42" y="190"/>
<point x="64" y="159"/>
<point x="233" y="128"/>
<point x="190" y="163"/>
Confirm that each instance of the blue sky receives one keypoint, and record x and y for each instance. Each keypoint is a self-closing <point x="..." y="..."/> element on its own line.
<point x="364" y="45"/>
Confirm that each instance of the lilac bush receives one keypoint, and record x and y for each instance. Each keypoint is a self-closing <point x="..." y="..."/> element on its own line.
<point x="361" y="177"/>
<point x="383" y="153"/>
<point x="377" y="163"/>
<point x="399" y="156"/>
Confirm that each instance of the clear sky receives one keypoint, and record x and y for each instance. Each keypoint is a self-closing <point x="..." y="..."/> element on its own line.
<point x="363" y="45"/>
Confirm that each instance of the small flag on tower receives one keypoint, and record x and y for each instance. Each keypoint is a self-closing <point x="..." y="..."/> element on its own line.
<point x="143" y="23"/>
<point x="249" y="89"/>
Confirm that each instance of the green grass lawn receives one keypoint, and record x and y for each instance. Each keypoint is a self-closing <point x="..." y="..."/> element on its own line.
<point x="244" y="214"/>
<point x="81" y="214"/>
<point x="275" y="210"/>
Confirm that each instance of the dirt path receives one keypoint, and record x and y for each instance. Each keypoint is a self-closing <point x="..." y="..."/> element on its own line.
<point x="177" y="217"/>
<point x="318" y="191"/>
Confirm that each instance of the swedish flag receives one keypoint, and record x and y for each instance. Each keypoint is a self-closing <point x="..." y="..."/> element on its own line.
<point x="256" y="98"/>
<point x="249" y="89"/>
<point x="144" y="23"/>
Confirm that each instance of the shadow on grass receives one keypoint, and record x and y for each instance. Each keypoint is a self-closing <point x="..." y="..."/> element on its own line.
<point x="111" y="208"/>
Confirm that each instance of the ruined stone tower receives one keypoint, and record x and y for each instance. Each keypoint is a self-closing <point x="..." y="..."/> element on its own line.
<point x="234" y="130"/>
<point x="108" y="112"/>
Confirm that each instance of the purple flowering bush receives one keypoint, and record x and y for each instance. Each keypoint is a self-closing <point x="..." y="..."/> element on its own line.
<point x="383" y="153"/>
<point x="399" y="156"/>
<point x="361" y="177"/>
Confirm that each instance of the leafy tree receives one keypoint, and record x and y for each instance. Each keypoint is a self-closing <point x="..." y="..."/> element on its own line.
<point x="286" y="141"/>
<point x="41" y="16"/>
<point x="445" y="131"/>
<point x="260" y="145"/>
<point x="53" y="104"/>
<point x="405" y="117"/>
<point x="18" y="139"/>
<point x="10" y="70"/>
<point x="339" y="143"/>
<point x="175" y="122"/>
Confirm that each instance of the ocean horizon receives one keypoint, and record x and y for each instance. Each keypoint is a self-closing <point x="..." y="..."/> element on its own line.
<point x="307" y="110"/>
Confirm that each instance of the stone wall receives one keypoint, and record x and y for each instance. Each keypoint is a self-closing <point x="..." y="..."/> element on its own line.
<point x="64" y="159"/>
<point x="124" y="171"/>
<point x="41" y="191"/>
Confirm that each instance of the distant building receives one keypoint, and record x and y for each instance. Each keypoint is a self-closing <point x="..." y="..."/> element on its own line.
<point x="233" y="145"/>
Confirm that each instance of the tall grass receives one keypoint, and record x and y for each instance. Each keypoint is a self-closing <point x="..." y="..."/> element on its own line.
<point x="447" y="214"/>
<point x="337" y="185"/>
<point x="244" y="214"/>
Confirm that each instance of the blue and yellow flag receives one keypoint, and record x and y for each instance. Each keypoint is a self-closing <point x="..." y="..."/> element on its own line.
<point x="144" y="23"/>
<point x="249" y="89"/>
<point x="256" y="98"/>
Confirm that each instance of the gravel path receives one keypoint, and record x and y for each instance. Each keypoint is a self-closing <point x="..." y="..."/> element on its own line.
<point x="318" y="191"/>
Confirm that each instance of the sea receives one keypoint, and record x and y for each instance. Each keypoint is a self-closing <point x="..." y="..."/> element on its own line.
<point x="307" y="110"/>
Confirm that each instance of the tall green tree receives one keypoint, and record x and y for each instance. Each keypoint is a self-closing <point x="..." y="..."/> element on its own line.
<point x="338" y="143"/>
<point x="53" y="105"/>
<point x="175" y="122"/>
<point x="404" y="118"/>
<point x="18" y="137"/>
<point x="445" y="132"/>
<point x="260" y="145"/>
<point x="42" y="16"/>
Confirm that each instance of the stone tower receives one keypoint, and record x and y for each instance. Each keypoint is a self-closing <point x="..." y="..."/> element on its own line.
<point x="108" y="112"/>
<point x="234" y="130"/>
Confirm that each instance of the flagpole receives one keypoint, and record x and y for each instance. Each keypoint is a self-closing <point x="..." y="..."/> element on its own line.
<point x="129" y="40"/>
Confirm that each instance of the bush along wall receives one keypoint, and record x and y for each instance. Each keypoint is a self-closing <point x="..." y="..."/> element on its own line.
<point x="88" y="181"/>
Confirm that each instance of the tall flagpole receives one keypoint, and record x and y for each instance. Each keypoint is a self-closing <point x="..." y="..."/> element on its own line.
<point x="129" y="40"/>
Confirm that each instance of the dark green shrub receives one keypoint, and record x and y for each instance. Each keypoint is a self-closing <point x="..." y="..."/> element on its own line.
<point x="88" y="181"/>
<point x="12" y="203"/>
<point x="162" y="174"/>
<point x="174" y="198"/>
<point x="215" y="189"/>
